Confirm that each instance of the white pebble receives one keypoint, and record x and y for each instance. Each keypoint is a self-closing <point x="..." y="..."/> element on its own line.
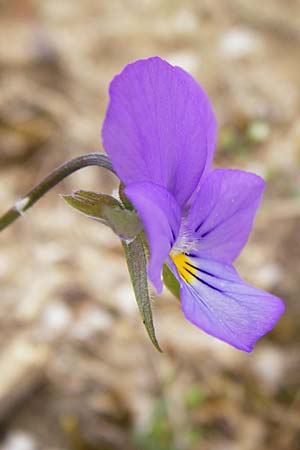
<point x="55" y="320"/>
<point x="91" y="321"/>
<point x="238" y="42"/>
<point x="19" y="440"/>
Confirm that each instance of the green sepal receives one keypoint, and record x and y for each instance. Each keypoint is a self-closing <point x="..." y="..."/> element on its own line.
<point x="171" y="282"/>
<point x="108" y="210"/>
<point x="137" y="262"/>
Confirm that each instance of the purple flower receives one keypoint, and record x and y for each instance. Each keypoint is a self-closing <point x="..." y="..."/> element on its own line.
<point x="160" y="133"/>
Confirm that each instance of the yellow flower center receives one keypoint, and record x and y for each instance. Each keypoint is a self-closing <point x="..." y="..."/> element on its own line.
<point x="184" y="266"/>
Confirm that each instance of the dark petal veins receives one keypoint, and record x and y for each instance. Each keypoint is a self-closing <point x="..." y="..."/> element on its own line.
<point x="219" y="302"/>
<point x="197" y="277"/>
<point x="198" y="269"/>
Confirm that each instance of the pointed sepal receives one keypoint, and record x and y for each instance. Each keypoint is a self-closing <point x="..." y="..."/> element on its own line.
<point x="108" y="210"/>
<point x="137" y="262"/>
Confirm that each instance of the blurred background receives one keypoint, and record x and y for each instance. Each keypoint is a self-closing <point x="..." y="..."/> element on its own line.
<point x="77" y="371"/>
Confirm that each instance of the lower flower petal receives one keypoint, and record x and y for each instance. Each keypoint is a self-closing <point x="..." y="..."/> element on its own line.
<point x="215" y="299"/>
<point x="161" y="216"/>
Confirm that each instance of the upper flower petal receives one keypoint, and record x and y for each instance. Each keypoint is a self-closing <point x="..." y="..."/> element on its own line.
<point x="217" y="300"/>
<point x="221" y="217"/>
<point x="159" y="127"/>
<point x="161" y="216"/>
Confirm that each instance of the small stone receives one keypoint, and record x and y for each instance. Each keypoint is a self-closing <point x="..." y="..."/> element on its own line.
<point x="258" y="131"/>
<point x="269" y="275"/>
<point x="55" y="320"/>
<point x="124" y="299"/>
<point x="91" y="321"/>
<point x="19" y="440"/>
<point x="269" y="364"/>
<point x="238" y="42"/>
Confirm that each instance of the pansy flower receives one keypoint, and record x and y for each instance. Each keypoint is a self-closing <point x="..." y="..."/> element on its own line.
<point x="160" y="134"/>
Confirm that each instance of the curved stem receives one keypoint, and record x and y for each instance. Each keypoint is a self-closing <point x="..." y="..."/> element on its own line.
<point x="58" y="174"/>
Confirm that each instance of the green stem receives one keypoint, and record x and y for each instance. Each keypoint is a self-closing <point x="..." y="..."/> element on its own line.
<point x="58" y="174"/>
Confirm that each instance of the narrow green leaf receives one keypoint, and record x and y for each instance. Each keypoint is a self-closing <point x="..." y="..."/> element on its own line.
<point x="137" y="261"/>
<point x="126" y="224"/>
<point x="171" y="282"/>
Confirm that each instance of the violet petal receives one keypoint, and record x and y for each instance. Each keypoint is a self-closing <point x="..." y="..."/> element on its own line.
<point x="159" y="127"/>
<point x="160" y="215"/>
<point x="223" y="212"/>
<point x="223" y="305"/>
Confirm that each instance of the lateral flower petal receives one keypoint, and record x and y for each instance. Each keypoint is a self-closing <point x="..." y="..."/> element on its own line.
<point x="159" y="127"/>
<point x="219" y="302"/>
<point x="161" y="215"/>
<point x="222" y="215"/>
